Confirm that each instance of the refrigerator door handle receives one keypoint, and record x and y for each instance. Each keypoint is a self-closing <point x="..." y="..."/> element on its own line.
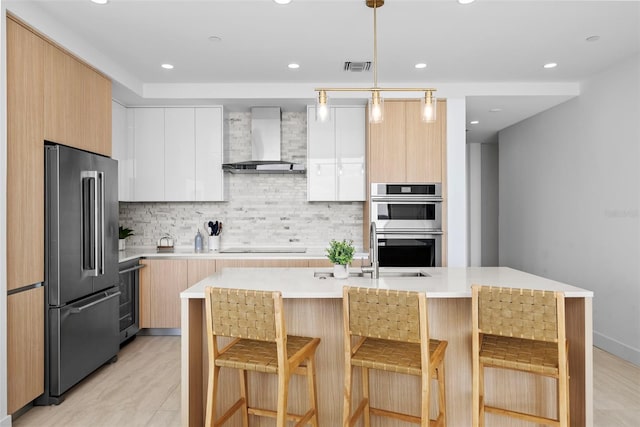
<point x="76" y="310"/>
<point x="100" y="249"/>
<point x="90" y="221"/>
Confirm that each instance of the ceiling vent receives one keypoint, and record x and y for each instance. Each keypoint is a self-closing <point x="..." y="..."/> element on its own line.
<point x="357" y="67"/>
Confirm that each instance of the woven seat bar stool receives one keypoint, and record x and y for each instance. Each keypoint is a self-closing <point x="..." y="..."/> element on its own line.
<point x="391" y="334"/>
<point x="255" y="322"/>
<point x="523" y="330"/>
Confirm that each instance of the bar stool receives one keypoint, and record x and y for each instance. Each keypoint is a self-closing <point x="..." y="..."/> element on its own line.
<point x="255" y="321"/>
<point x="524" y="330"/>
<point x="392" y="335"/>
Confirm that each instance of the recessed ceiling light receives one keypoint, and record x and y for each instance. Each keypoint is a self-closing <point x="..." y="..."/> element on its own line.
<point x="592" y="38"/>
<point x="474" y="122"/>
<point x="420" y="65"/>
<point x="495" y="110"/>
<point x="293" y="66"/>
<point x="550" y="65"/>
<point x="167" y="66"/>
<point x="282" y="1"/>
<point x="465" y="1"/>
<point x="100" y="1"/>
<point x="215" y="39"/>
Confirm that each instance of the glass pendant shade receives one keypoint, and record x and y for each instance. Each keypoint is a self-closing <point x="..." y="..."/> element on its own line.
<point x="376" y="108"/>
<point x="322" y="107"/>
<point x="429" y="107"/>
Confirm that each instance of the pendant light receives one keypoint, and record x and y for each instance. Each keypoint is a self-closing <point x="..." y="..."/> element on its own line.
<point x="428" y="104"/>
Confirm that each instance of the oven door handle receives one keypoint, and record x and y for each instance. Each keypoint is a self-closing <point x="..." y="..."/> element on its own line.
<point x="129" y="270"/>
<point x="405" y="199"/>
<point x="403" y="233"/>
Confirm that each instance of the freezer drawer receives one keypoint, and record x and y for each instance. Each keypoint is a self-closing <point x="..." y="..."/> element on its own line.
<point x="83" y="336"/>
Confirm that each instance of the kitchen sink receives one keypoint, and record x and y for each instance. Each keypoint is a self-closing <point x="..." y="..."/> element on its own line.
<point x="329" y="274"/>
<point x="403" y="274"/>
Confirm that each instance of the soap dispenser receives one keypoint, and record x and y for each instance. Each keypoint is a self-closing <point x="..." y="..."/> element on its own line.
<point x="198" y="242"/>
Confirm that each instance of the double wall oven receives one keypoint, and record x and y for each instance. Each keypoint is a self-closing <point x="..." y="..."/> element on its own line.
<point x="408" y="219"/>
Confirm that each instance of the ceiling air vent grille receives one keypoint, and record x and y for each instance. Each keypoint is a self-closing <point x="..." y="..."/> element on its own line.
<point x="357" y="67"/>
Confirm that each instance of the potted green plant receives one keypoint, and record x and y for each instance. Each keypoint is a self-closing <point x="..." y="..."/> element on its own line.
<point x="123" y="233"/>
<point x="340" y="253"/>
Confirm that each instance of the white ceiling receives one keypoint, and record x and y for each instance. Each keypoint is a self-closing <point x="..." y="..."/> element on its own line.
<point x="490" y="51"/>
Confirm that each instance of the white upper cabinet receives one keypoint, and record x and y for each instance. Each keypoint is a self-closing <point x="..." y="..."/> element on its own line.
<point x="149" y="168"/>
<point x="169" y="154"/>
<point x="208" y="154"/>
<point x="122" y="149"/>
<point x="336" y="155"/>
<point x="179" y="154"/>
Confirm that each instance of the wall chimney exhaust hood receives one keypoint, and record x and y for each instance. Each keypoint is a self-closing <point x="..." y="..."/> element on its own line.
<point x="265" y="146"/>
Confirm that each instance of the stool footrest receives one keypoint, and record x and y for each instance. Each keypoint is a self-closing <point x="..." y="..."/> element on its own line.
<point x="522" y="415"/>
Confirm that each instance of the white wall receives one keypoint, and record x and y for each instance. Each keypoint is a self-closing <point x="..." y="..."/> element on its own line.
<point x="456" y="183"/>
<point x="489" y="184"/>
<point x="570" y="198"/>
<point x="474" y="200"/>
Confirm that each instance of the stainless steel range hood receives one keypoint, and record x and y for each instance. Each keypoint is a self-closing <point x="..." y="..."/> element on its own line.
<point x="265" y="146"/>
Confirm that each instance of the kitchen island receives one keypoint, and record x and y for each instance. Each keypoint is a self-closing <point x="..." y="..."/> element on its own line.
<point x="313" y="307"/>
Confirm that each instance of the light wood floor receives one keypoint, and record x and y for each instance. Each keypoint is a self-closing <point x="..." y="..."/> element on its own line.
<point x="143" y="389"/>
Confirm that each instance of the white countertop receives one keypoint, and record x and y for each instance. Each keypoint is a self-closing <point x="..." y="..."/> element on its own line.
<point x="442" y="283"/>
<point x="188" y="252"/>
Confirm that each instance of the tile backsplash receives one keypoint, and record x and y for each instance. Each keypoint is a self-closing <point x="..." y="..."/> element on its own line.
<point x="261" y="210"/>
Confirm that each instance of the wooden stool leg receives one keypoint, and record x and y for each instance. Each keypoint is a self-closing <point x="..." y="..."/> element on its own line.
<point x="481" y="396"/>
<point x="212" y="394"/>
<point x="365" y="395"/>
<point x="311" y="385"/>
<point x="283" y="394"/>
<point x="425" y="385"/>
<point x="243" y="393"/>
<point x="442" y="400"/>
<point x="348" y="383"/>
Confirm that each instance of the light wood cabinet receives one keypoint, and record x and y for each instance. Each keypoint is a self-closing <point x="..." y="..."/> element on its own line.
<point x="403" y="148"/>
<point x="161" y="282"/>
<point x="425" y="154"/>
<point x="25" y="157"/>
<point x="386" y="148"/>
<point x="25" y="347"/>
<point x="198" y="269"/>
<point x="77" y="103"/>
<point x="336" y="155"/>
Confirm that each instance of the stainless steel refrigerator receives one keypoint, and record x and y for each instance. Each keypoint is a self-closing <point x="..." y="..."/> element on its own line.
<point x="81" y="267"/>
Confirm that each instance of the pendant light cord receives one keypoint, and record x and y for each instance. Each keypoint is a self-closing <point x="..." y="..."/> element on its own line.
<point x="375" y="46"/>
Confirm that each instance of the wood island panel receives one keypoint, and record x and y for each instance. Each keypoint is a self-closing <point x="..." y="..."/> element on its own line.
<point x="449" y="319"/>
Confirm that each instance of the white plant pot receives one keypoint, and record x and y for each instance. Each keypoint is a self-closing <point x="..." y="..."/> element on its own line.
<point x="122" y="244"/>
<point x="340" y="271"/>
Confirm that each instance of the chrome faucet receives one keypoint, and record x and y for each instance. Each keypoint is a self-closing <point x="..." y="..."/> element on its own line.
<point x="373" y="252"/>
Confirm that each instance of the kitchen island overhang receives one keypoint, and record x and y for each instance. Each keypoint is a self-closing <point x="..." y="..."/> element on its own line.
<point x="313" y="307"/>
